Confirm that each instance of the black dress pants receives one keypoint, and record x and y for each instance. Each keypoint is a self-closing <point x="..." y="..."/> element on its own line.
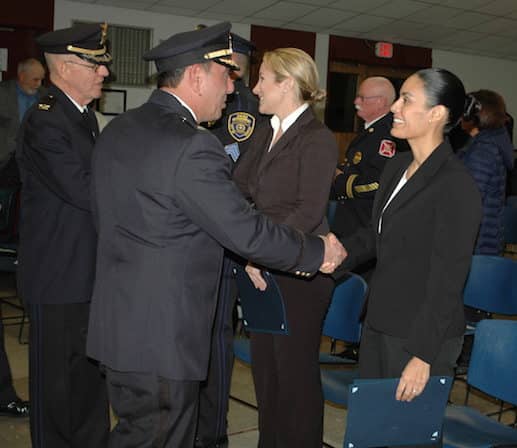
<point x="68" y="397"/>
<point x="152" y="412"/>
<point x="286" y="370"/>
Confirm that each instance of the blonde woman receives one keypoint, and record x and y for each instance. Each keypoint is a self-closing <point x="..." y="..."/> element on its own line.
<point x="287" y="173"/>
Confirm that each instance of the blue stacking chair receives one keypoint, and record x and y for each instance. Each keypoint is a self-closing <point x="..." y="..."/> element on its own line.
<point x="492" y="285"/>
<point x="342" y="323"/>
<point x="375" y="418"/>
<point x="493" y="370"/>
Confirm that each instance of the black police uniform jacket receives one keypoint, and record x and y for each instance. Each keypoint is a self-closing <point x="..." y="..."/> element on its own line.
<point x="365" y="159"/>
<point x="56" y="257"/>
<point x="164" y="203"/>
<point x="240" y="119"/>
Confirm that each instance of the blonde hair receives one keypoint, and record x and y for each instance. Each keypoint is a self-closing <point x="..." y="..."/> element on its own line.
<point x="297" y="64"/>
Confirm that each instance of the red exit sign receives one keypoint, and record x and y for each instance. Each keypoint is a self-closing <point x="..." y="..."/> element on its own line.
<point x="384" y="50"/>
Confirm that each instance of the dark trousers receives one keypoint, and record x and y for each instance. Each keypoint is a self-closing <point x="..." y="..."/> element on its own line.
<point x="215" y="391"/>
<point x="69" y="405"/>
<point x="286" y="368"/>
<point x="7" y="392"/>
<point x="384" y="356"/>
<point x="152" y="412"/>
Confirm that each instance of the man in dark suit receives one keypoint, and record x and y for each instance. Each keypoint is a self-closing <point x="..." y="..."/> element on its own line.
<point x="235" y="130"/>
<point x="57" y="242"/>
<point x="16" y="97"/>
<point x="357" y="179"/>
<point x="164" y="204"/>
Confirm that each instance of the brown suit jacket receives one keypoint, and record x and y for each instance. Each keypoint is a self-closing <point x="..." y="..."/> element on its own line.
<point x="291" y="183"/>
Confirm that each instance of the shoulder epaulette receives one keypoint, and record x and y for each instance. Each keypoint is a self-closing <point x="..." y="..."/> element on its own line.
<point x="47" y="102"/>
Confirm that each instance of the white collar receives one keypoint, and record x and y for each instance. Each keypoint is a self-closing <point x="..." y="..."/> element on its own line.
<point x="185" y="105"/>
<point x="76" y="104"/>
<point x="287" y="122"/>
<point x="367" y="125"/>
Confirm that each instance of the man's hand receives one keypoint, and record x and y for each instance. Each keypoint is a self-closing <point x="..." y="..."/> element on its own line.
<point x="256" y="277"/>
<point x="413" y="380"/>
<point x="335" y="253"/>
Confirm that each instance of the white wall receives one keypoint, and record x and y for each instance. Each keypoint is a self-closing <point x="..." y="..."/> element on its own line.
<point x="164" y="26"/>
<point x="478" y="72"/>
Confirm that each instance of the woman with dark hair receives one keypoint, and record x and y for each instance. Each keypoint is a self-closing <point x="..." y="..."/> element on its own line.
<point x="287" y="172"/>
<point x="425" y="221"/>
<point x="488" y="157"/>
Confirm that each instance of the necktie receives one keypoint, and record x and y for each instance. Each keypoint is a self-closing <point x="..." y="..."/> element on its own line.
<point x="88" y="118"/>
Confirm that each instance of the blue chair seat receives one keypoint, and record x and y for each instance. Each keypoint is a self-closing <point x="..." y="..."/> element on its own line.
<point x="335" y="383"/>
<point x="241" y="349"/>
<point x="465" y="427"/>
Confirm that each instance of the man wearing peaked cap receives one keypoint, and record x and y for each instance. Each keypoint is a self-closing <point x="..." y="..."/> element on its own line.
<point x="235" y="130"/>
<point x="68" y="395"/>
<point x="165" y="206"/>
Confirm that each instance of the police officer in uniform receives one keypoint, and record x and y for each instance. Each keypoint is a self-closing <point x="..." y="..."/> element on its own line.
<point x="241" y="116"/>
<point x="357" y="179"/>
<point x="68" y="396"/>
<point x="165" y="205"/>
<point x="235" y="130"/>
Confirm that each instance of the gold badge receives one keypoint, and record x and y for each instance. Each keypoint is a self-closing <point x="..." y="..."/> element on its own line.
<point x="43" y="106"/>
<point x="357" y="157"/>
<point x="241" y="125"/>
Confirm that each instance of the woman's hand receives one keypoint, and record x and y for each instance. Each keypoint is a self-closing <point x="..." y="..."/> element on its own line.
<point x="256" y="277"/>
<point x="413" y="380"/>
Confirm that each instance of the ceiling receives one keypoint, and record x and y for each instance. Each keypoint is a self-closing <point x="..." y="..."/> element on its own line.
<point x="481" y="27"/>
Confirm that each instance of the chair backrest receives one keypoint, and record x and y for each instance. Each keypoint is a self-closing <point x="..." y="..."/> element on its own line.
<point x="510" y="224"/>
<point x="492" y="285"/>
<point x="342" y="320"/>
<point x="375" y="418"/>
<point x="493" y="362"/>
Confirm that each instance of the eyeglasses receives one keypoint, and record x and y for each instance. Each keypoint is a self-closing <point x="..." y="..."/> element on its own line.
<point x="92" y="67"/>
<point x="364" y="98"/>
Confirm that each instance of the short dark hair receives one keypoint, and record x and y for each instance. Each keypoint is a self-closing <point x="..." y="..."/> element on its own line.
<point x="444" y="88"/>
<point x="488" y="111"/>
<point x="170" y="78"/>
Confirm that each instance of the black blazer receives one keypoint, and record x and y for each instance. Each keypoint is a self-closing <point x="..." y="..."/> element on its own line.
<point x="423" y="251"/>
<point x="164" y="203"/>
<point x="57" y="239"/>
<point x="291" y="183"/>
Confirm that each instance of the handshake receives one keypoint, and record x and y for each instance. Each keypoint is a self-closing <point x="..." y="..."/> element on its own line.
<point x="334" y="255"/>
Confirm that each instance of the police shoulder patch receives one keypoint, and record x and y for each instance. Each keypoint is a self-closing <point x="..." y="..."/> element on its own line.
<point x="387" y="148"/>
<point x="241" y="126"/>
<point x="47" y="102"/>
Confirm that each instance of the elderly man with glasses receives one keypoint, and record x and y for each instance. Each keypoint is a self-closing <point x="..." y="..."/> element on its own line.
<point x="357" y="178"/>
<point x="68" y="397"/>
